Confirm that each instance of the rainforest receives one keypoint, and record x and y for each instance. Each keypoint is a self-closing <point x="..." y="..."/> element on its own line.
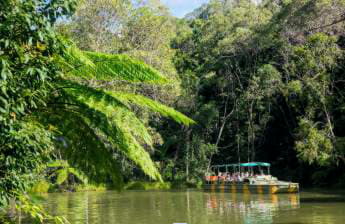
<point x="120" y="95"/>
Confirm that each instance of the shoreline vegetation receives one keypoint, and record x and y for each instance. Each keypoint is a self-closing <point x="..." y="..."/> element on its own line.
<point x="45" y="187"/>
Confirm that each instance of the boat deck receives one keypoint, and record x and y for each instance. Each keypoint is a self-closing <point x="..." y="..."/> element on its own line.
<point x="251" y="188"/>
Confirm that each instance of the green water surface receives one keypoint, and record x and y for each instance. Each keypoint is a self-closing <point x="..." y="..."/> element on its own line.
<point x="195" y="207"/>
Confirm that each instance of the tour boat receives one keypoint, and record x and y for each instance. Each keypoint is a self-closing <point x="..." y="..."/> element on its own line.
<point x="251" y="177"/>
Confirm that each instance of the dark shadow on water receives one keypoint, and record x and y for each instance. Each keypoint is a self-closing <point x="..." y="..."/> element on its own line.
<point x="323" y="200"/>
<point x="327" y="191"/>
<point x="322" y="196"/>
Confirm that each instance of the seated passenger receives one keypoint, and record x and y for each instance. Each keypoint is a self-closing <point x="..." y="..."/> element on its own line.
<point x="228" y="177"/>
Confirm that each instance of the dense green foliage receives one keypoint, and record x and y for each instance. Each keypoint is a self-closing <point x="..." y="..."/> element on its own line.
<point x="262" y="81"/>
<point x="58" y="102"/>
<point x="105" y="114"/>
<point x="27" y="45"/>
<point x="269" y="79"/>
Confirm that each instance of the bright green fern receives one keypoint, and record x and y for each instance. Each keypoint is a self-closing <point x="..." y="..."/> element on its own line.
<point x="95" y="126"/>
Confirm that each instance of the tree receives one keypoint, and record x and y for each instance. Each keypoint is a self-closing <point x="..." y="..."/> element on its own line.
<point x="54" y="96"/>
<point x="273" y="73"/>
<point x="140" y="29"/>
<point x="217" y="51"/>
<point x="95" y="17"/>
<point x="27" y="45"/>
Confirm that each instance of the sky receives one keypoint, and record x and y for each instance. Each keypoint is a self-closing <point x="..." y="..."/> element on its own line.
<point x="179" y="8"/>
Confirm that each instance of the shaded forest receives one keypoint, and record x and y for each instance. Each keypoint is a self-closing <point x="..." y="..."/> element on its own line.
<point x="264" y="83"/>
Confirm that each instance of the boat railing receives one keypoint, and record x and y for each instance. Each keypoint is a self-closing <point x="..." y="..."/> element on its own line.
<point x="212" y="179"/>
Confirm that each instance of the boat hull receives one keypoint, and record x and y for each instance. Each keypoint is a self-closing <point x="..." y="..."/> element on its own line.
<point x="252" y="188"/>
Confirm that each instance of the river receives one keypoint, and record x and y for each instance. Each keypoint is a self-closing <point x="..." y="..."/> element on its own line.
<point x="195" y="207"/>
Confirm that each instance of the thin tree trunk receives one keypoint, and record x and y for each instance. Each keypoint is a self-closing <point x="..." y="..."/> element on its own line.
<point x="225" y="118"/>
<point x="187" y="156"/>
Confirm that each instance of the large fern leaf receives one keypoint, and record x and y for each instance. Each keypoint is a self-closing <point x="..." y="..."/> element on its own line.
<point x="64" y="169"/>
<point x="117" y="122"/>
<point x="119" y="134"/>
<point x="82" y="147"/>
<point x="61" y="176"/>
<point x="58" y="163"/>
<point x="120" y="113"/>
<point x="101" y="120"/>
<point x="109" y="67"/>
<point x="142" y="101"/>
<point x="78" y="174"/>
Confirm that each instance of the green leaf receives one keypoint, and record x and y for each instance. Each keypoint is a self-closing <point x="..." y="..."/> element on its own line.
<point x="61" y="176"/>
<point x="155" y="106"/>
<point x="109" y="116"/>
<point x="108" y="67"/>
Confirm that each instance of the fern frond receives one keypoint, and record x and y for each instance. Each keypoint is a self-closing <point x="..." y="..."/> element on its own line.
<point x="119" y="112"/>
<point x="58" y="163"/>
<point x="63" y="165"/>
<point x="82" y="147"/>
<point x="119" y="135"/>
<point x="109" y="67"/>
<point x="61" y="176"/>
<point x="72" y="58"/>
<point x="78" y="174"/>
<point x="116" y="122"/>
<point x="154" y="106"/>
<point x="104" y="117"/>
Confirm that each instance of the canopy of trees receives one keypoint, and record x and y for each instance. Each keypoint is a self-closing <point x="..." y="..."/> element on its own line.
<point x="266" y="83"/>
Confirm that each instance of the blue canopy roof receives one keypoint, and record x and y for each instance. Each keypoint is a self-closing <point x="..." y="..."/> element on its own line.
<point x="255" y="164"/>
<point x="252" y="164"/>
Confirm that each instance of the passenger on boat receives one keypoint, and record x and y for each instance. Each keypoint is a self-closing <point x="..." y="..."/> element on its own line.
<point x="237" y="177"/>
<point x="228" y="177"/>
<point x="221" y="176"/>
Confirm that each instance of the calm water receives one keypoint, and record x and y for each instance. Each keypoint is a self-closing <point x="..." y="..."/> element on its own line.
<point x="195" y="207"/>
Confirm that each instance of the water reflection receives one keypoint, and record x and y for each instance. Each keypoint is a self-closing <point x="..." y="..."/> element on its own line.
<point x="249" y="208"/>
<point x="192" y="207"/>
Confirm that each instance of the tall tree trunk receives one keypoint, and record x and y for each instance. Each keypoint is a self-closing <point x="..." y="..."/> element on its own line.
<point x="187" y="153"/>
<point x="221" y="130"/>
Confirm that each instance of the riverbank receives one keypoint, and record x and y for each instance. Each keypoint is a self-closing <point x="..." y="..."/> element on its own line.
<point x="46" y="187"/>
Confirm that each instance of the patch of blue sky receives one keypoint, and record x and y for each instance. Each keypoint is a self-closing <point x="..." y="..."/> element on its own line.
<point x="180" y="8"/>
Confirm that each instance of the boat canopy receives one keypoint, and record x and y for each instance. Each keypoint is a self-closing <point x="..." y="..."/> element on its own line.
<point x="252" y="164"/>
<point x="255" y="164"/>
<point x="241" y="167"/>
